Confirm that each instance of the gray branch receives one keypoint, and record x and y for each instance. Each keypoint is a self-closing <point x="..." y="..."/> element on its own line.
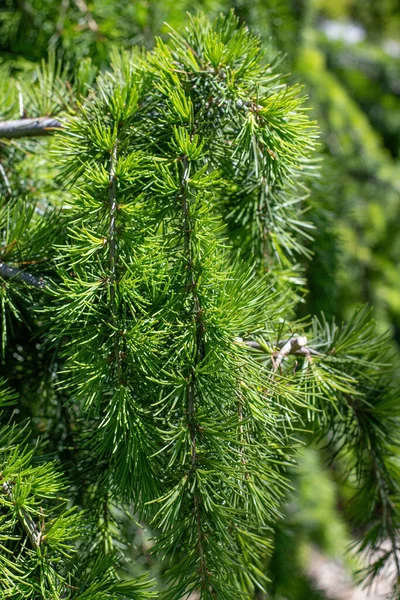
<point x="7" y="272"/>
<point x="28" y="127"/>
<point x="296" y="345"/>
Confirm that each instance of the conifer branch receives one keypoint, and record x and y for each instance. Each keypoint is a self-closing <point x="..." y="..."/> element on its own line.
<point x="113" y="244"/>
<point x="241" y="432"/>
<point x="7" y="272"/>
<point x="384" y="484"/>
<point x="181" y="417"/>
<point x="33" y="532"/>
<point x="29" y="127"/>
<point x="197" y="313"/>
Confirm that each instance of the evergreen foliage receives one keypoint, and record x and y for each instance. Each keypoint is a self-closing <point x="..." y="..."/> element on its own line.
<point x="39" y="531"/>
<point x="157" y="261"/>
<point x="153" y="309"/>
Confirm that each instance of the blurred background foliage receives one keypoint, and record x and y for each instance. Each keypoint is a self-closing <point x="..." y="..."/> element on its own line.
<point x="347" y="55"/>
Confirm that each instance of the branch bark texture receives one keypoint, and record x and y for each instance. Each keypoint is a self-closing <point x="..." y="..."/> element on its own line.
<point x="7" y="272"/>
<point x="28" y="127"/>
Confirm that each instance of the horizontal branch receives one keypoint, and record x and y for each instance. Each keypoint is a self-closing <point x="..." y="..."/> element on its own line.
<point x="7" y="272"/>
<point x="28" y="127"/>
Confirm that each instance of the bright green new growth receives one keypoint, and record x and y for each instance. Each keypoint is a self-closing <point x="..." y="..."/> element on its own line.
<point x="188" y="385"/>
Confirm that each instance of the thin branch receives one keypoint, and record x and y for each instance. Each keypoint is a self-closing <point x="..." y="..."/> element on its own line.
<point x="241" y="432"/>
<point x="7" y="272"/>
<point x="112" y="197"/>
<point x="6" y="180"/>
<point x="20" y="101"/>
<point x="296" y="345"/>
<point x="28" y="127"/>
<point x="197" y="314"/>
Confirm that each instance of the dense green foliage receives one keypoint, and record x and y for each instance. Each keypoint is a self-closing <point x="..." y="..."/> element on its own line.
<point x="176" y="233"/>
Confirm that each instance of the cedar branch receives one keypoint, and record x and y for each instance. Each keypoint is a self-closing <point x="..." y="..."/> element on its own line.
<point x="197" y="313"/>
<point x="33" y="532"/>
